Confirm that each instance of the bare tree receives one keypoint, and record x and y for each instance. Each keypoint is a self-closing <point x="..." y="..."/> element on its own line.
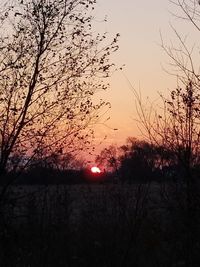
<point x="109" y="158"/>
<point x="51" y="65"/>
<point x="175" y="123"/>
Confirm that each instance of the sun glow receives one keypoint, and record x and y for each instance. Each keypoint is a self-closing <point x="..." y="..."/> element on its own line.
<point x="95" y="170"/>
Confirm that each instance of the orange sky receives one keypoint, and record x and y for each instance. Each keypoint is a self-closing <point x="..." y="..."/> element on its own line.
<point x="139" y="24"/>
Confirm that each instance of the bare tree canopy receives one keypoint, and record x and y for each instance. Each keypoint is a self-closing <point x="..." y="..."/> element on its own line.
<point x="175" y="124"/>
<point x="184" y="53"/>
<point x="51" y="65"/>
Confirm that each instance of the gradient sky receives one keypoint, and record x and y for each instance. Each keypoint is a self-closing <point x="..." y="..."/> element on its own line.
<point x="139" y="24"/>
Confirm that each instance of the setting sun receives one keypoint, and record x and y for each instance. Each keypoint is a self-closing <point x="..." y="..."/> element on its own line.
<point x="95" y="170"/>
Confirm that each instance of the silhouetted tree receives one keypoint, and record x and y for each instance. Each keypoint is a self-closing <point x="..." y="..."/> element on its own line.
<point x="51" y="65"/>
<point x="108" y="159"/>
<point x="176" y="126"/>
<point x="141" y="160"/>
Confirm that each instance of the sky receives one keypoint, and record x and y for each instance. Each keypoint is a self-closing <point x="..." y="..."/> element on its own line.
<point x="139" y="24"/>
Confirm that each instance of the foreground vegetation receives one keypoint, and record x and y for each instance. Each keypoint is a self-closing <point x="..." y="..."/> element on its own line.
<point x="95" y="224"/>
<point x="63" y="218"/>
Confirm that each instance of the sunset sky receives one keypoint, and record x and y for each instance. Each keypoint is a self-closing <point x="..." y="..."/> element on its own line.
<point x="139" y="24"/>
